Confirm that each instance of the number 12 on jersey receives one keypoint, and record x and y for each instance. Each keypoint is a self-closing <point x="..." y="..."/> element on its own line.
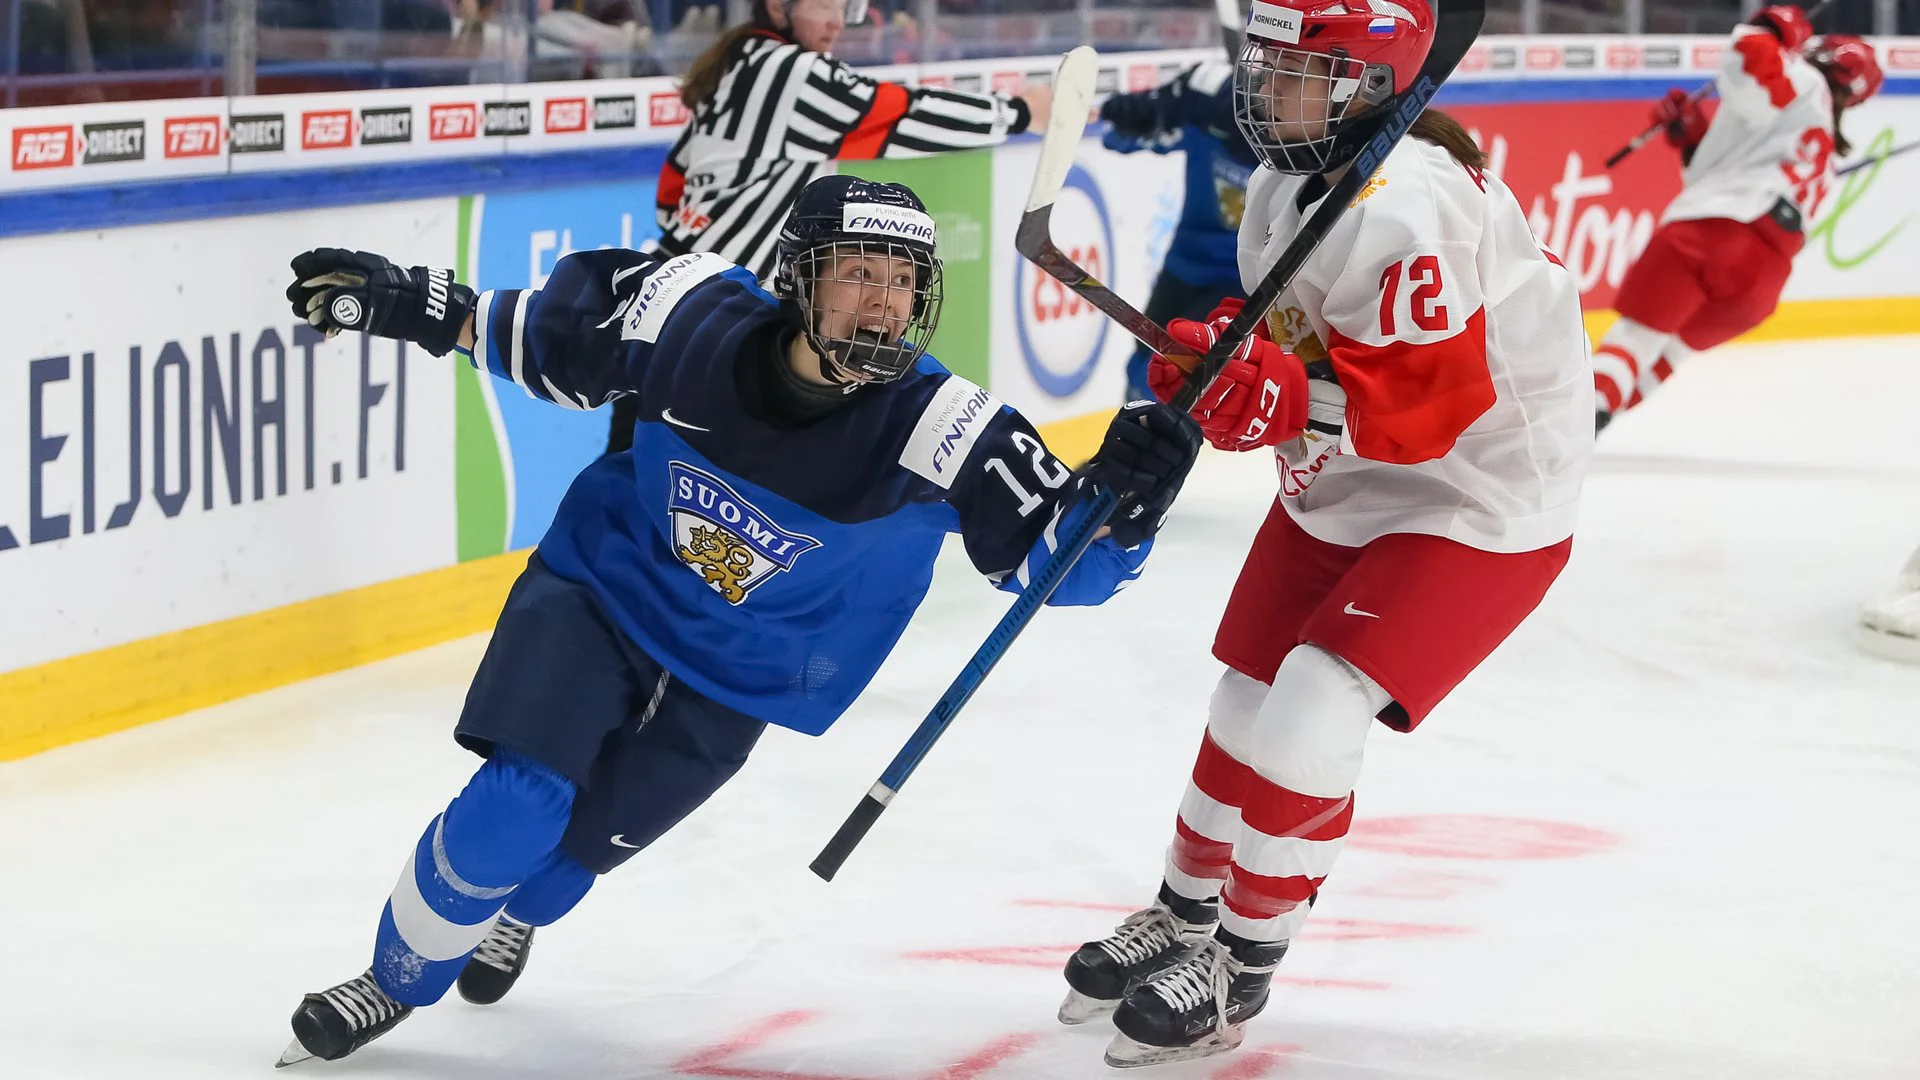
<point x="1423" y="273"/>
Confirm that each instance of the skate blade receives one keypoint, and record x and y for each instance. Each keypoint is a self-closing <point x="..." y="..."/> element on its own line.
<point x="1079" y="1008"/>
<point x="294" y="1055"/>
<point x="1126" y="1053"/>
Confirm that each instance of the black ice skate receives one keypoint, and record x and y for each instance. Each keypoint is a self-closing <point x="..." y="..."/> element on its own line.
<point x="333" y="1023"/>
<point x="1199" y="1006"/>
<point x="1101" y="972"/>
<point x="499" y="960"/>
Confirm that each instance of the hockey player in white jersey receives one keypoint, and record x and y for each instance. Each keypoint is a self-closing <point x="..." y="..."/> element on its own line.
<point x="1425" y="384"/>
<point x="1758" y="164"/>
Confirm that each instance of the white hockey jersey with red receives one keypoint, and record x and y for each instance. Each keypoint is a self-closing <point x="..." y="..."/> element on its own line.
<point x="1459" y="345"/>
<point x="1771" y="136"/>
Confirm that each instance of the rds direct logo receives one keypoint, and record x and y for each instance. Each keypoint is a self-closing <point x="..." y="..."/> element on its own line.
<point x="1061" y="335"/>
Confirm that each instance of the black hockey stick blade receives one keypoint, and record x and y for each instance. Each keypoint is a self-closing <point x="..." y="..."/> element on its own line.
<point x="851" y="832"/>
<point x="1073" y="91"/>
<point x="1458" y="24"/>
<point x="1877" y="159"/>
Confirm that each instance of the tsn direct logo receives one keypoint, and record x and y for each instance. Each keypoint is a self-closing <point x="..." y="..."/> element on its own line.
<point x="192" y="136"/>
<point x="666" y="110"/>
<point x="453" y="121"/>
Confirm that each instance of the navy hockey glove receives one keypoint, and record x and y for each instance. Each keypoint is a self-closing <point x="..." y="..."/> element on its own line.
<point x="1145" y="457"/>
<point x="337" y="290"/>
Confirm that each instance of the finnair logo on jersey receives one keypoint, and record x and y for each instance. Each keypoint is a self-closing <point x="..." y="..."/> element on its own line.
<point x="1273" y="22"/>
<point x="947" y="430"/>
<point x="904" y="222"/>
<point x="728" y="541"/>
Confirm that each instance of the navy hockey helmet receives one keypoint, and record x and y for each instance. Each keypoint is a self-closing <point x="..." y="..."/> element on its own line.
<point x="857" y="264"/>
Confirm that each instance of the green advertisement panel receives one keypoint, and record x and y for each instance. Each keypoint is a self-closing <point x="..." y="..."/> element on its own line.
<point x="958" y="188"/>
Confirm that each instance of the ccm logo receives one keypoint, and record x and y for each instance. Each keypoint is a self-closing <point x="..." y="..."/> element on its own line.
<point x="42" y="147"/>
<point x="193" y="136"/>
<point x="329" y="130"/>
<point x="566" y="114"/>
<point x="453" y="122"/>
<point x="666" y="110"/>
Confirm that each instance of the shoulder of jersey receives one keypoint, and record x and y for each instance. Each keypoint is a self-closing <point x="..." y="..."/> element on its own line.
<point x="672" y="283"/>
<point x="948" y="414"/>
<point x="1410" y="185"/>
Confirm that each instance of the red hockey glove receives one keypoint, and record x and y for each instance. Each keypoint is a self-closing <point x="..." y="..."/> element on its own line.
<point x="1259" y="399"/>
<point x="1684" y="119"/>
<point x="1788" y="23"/>
<point x="1229" y="307"/>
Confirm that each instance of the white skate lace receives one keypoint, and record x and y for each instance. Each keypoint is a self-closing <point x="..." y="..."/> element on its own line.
<point x="1208" y="973"/>
<point x="1142" y="935"/>
<point x="363" y="1002"/>
<point x="500" y="949"/>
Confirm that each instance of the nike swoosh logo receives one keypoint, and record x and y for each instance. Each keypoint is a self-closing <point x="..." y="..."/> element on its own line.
<point x="617" y="842"/>
<point x="668" y="417"/>
<point x="1351" y="610"/>
<point x="622" y="275"/>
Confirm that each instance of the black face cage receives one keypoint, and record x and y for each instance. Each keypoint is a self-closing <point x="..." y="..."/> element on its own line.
<point x="1294" y="106"/>
<point x="869" y="307"/>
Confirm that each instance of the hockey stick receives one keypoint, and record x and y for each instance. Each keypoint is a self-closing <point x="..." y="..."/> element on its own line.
<point x="1646" y="136"/>
<point x="1458" y="25"/>
<point x="1878" y="158"/>
<point x="1230" y="20"/>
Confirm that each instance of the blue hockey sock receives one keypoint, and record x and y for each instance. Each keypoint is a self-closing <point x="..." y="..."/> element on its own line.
<point x="550" y="891"/>
<point x="497" y="833"/>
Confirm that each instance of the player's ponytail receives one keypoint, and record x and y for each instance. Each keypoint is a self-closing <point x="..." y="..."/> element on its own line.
<point x="1443" y="131"/>
<point x="703" y="78"/>
<point x="1840" y="144"/>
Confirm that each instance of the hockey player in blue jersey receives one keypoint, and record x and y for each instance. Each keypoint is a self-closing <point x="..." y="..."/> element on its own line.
<point x="751" y="560"/>
<point x="1192" y="113"/>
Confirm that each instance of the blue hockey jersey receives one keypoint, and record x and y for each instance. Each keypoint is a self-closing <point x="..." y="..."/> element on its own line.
<point x="772" y="568"/>
<point x="1193" y="113"/>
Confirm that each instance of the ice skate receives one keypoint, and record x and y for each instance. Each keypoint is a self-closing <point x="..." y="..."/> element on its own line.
<point x="1198" y="1007"/>
<point x="1889" y="625"/>
<point x="333" y="1023"/>
<point x="1101" y="972"/>
<point x="497" y="963"/>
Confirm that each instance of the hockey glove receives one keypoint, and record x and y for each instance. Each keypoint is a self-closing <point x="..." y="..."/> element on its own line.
<point x="1684" y="119"/>
<point x="1145" y="457"/>
<point x="1788" y="23"/>
<point x="1259" y="399"/>
<point x="337" y="290"/>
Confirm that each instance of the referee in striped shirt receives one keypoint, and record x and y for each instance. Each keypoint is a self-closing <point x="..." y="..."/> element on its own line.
<point x="770" y="106"/>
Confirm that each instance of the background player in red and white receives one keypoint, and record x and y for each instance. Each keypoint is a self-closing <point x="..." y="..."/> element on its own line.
<point x="1426" y="391"/>
<point x="1758" y="163"/>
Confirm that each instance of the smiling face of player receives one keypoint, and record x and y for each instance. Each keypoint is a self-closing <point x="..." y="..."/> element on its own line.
<point x="860" y="292"/>
<point x="870" y="307"/>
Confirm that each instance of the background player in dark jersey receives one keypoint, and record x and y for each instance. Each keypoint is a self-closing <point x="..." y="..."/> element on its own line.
<point x="1193" y="113"/>
<point x="751" y="560"/>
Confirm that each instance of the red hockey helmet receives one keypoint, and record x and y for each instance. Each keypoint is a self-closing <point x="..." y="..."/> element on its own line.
<point x="1304" y="64"/>
<point x="1848" y="62"/>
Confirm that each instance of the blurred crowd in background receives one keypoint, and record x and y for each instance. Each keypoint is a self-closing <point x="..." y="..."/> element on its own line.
<point x="64" y="51"/>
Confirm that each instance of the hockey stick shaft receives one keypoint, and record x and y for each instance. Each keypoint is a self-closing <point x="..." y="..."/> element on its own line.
<point x="1877" y="158"/>
<point x="1229" y="15"/>
<point x="1074" y="543"/>
<point x="1647" y="136"/>
<point x="1460" y="24"/>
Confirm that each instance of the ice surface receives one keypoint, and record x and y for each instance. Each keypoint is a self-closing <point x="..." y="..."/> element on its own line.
<point x="1667" y="832"/>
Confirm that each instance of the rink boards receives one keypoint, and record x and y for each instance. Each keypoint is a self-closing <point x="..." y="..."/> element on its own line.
<point x="201" y="499"/>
